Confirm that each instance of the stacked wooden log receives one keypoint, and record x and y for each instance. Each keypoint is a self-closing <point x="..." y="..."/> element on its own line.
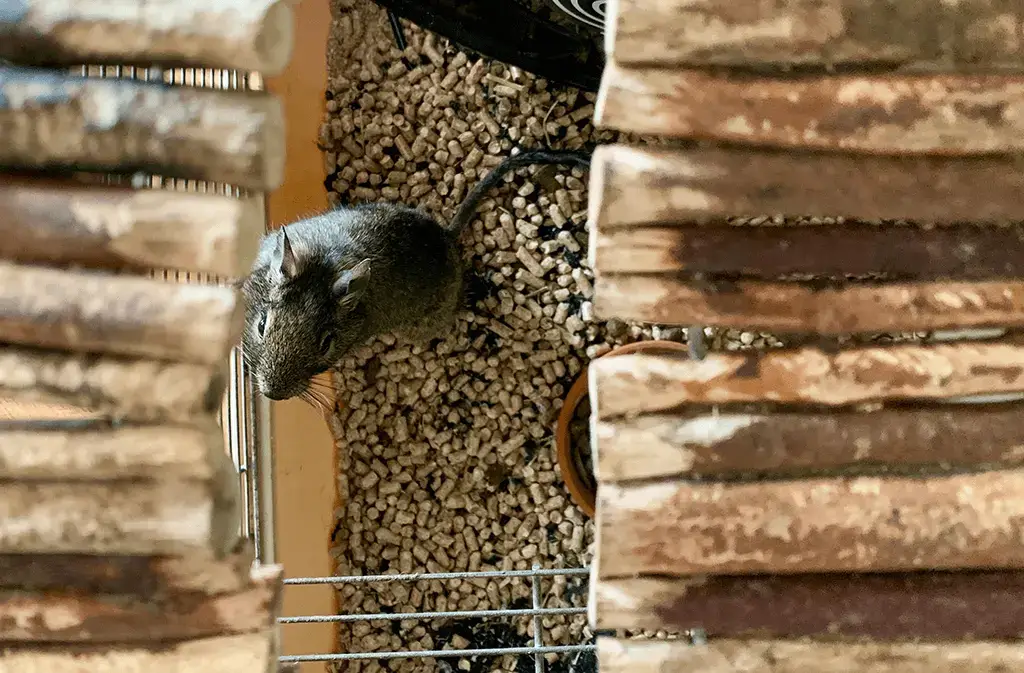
<point x="813" y="508"/>
<point x="119" y="544"/>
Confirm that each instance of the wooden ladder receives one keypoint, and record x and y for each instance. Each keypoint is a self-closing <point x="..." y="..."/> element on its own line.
<point x="119" y="507"/>
<point x="839" y="504"/>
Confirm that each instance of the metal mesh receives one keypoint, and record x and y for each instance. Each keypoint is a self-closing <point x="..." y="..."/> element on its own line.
<point x="535" y="612"/>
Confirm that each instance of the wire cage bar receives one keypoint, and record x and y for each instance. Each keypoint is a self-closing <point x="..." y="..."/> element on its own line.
<point x="536" y="612"/>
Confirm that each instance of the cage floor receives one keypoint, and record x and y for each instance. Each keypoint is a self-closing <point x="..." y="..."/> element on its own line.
<point x="447" y="459"/>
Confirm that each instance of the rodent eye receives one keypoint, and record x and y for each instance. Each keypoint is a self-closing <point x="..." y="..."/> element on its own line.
<point x="326" y="342"/>
<point x="261" y="327"/>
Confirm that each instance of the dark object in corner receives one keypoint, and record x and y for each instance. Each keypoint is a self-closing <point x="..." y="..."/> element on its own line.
<point x="565" y="52"/>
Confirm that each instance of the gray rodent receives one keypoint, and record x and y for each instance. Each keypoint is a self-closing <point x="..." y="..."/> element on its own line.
<point x="325" y="284"/>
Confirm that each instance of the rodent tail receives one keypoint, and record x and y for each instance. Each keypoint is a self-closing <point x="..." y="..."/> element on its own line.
<point x="467" y="209"/>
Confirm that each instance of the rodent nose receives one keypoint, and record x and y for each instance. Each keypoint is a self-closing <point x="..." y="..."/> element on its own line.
<point x="267" y="392"/>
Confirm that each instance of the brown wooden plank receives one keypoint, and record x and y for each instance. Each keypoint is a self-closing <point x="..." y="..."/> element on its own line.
<point x="676" y="528"/>
<point x="67" y="223"/>
<point x="946" y="114"/>
<point x="50" y="120"/>
<point x="638" y="383"/>
<point x="187" y="576"/>
<point x="232" y="34"/>
<point x="90" y="312"/>
<point x="141" y="452"/>
<point x="803" y="656"/>
<point x="842" y="249"/>
<point x="802" y="307"/>
<point x="631" y="186"/>
<point x="141" y="390"/>
<point x="105" y="518"/>
<point x="727" y="443"/>
<point x="975" y="35"/>
<point x="26" y="414"/>
<point x="246" y="653"/>
<point x="70" y="618"/>
<point x="886" y="606"/>
<point x="121" y="516"/>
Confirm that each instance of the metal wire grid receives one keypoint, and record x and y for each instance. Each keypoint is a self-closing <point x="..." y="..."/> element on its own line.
<point x="245" y="420"/>
<point x="244" y="415"/>
<point x="536" y="612"/>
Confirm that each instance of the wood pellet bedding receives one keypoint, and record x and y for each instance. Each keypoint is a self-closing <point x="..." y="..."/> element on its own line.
<point x="447" y="456"/>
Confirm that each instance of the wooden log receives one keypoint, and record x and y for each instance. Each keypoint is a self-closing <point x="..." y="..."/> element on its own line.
<point x="67" y="223"/>
<point x="230" y="34"/>
<point x="801" y="656"/>
<point x="90" y="312"/>
<point x="973" y="36"/>
<point x="50" y="120"/>
<point x="35" y="415"/>
<point x="843" y="249"/>
<point x="106" y="518"/>
<point x="71" y="618"/>
<point x="725" y="444"/>
<point x="631" y="186"/>
<point x="637" y="383"/>
<point x="885" y="606"/>
<point x="132" y="452"/>
<point x="947" y="114"/>
<point x="188" y="577"/>
<point x="856" y="524"/>
<point x="788" y="307"/>
<point x="246" y="653"/>
<point x="129" y="389"/>
<point x="140" y="517"/>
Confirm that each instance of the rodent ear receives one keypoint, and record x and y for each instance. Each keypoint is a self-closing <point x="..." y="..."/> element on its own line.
<point x="287" y="264"/>
<point x="351" y="283"/>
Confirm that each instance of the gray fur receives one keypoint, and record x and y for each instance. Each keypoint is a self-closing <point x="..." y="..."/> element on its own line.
<point x="354" y="273"/>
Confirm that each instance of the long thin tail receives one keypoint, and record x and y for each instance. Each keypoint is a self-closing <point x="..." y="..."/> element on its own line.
<point x="467" y="209"/>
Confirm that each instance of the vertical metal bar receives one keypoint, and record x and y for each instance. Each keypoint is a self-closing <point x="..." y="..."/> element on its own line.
<point x="236" y="449"/>
<point x="265" y="488"/>
<point x="538" y="642"/>
<point x="244" y="454"/>
<point x="249" y="424"/>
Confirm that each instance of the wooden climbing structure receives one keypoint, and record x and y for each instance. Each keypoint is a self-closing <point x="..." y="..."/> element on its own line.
<point x="824" y="168"/>
<point x="119" y="541"/>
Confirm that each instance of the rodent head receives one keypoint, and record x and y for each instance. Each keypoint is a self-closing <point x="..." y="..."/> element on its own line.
<point x="302" y="314"/>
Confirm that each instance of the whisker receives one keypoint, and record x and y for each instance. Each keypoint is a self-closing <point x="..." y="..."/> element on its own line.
<point x="324" y="399"/>
<point x="320" y="384"/>
<point x="311" y="401"/>
<point x="328" y="392"/>
<point x="326" y="389"/>
<point x="317" y="399"/>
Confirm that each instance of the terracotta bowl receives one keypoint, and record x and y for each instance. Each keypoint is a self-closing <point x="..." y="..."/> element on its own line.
<point x="581" y="484"/>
